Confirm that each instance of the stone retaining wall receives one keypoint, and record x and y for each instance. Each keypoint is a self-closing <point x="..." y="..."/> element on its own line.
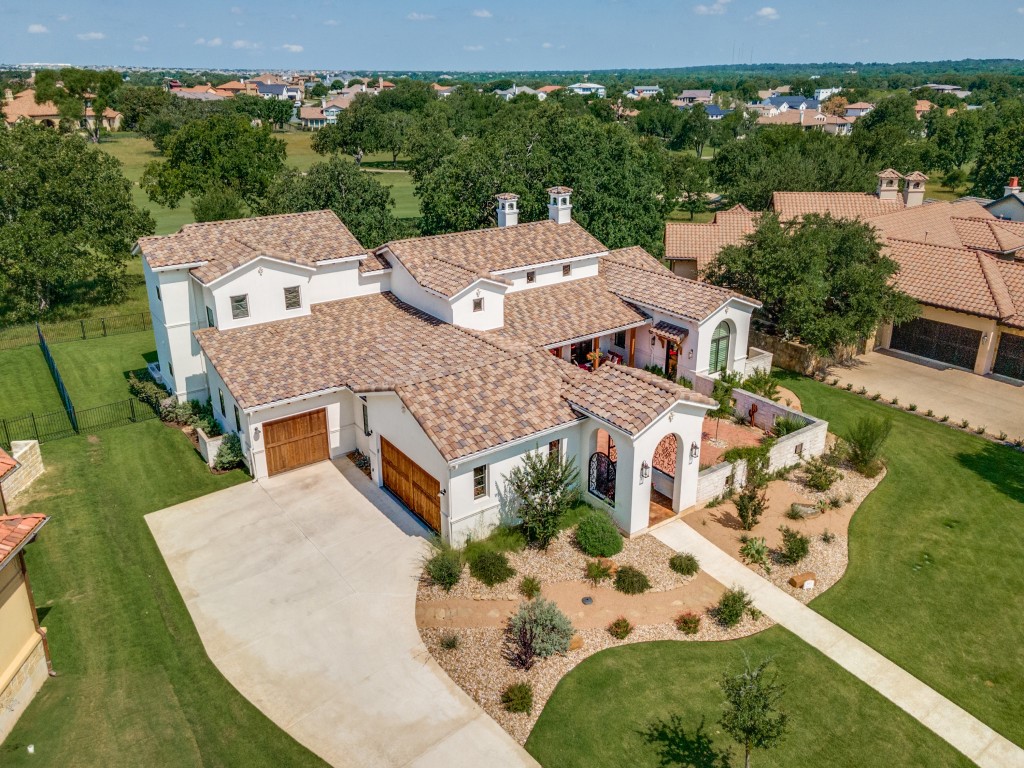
<point x="208" y="446"/>
<point x="30" y="466"/>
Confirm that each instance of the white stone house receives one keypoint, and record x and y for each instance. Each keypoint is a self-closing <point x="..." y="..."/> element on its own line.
<point x="588" y="89"/>
<point x="445" y="359"/>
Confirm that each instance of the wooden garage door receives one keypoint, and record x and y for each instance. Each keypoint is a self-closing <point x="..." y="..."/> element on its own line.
<point x="947" y="343"/>
<point x="1010" y="356"/>
<point x="419" y="491"/>
<point x="296" y="441"/>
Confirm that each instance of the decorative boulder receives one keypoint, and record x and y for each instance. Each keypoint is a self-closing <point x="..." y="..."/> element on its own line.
<point x="806" y="511"/>
<point x="803" y="580"/>
<point x="611" y="565"/>
<point x="575" y="643"/>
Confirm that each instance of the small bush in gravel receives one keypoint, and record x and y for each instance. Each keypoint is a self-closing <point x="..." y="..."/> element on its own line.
<point x="450" y="641"/>
<point x="820" y="476"/>
<point x="491" y="568"/>
<point x="849" y="386"/>
<point x="929" y="413"/>
<point x="756" y="551"/>
<point x="964" y="424"/>
<point x="620" y="628"/>
<point x="444" y="567"/>
<point x="688" y="623"/>
<point x="631" y="581"/>
<point x="537" y="629"/>
<point x="827" y="537"/>
<point x="835" y="502"/>
<point x="229" y="454"/>
<point x="838" y="453"/>
<point x="876" y="396"/>
<point x="596" y="572"/>
<point x="979" y="431"/>
<point x="795" y="546"/>
<point x="597" y="535"/>
<point x="732" y="606"/>
<point x="684" y="564"/>
<point x="794" y="513"/>
<point x="895" y="401"/>
<point x="518" y="697"/>
<point x="866" y="438"/>
<point x="529" y="587"/>
<point x="862" y="391"/>
<point x="944" y="419"/>
<point x="912" y="407"/>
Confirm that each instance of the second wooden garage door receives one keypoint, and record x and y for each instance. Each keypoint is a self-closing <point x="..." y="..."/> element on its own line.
<point x="296" y="441"/>
<point x="418" y="490"/>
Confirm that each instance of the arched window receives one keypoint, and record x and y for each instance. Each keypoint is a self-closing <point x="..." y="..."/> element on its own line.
<point x="719" y="348"/>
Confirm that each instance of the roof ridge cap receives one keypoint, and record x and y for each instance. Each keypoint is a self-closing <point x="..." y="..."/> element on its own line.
<point x="206" y="224"/>
<point x="996" y="285"/>
<point x="420" y="238"/>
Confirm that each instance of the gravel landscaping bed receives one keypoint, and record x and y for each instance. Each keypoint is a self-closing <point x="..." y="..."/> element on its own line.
<point x="562" y="561"/>
<point x="477" y="665"/>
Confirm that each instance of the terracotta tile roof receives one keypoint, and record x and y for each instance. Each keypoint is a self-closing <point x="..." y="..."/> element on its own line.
<point x="550" y="88"/>
<point x="628" y="398"/>
<point x="221" y="246"/>
<point x="7" y="463"/>
<point x="449" y="263"/>
<point x="841" y="205"/>
<point x="24" y="105"/>
<point x="804" y="117"/>
<point x="669" y="331"/>
<point x="566" y="311"/>
<point x="860" y="105"/>
<point x="989" y="234"/>
<point x="16" y="530"/>
<point x="930" y="223"/>
<point x="311" y="113"/>
<point x="635" y="276"/>
<point x="702" y="242"/>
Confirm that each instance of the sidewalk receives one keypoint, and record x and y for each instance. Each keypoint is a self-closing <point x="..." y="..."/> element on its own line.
<point x="962" y="730"/>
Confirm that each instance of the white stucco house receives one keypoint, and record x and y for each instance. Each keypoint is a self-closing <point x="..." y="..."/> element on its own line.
<point x="445" y="359"/>
<point x="588" y="89"/>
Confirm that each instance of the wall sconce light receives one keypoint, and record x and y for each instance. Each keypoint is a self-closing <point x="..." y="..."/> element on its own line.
<point x="645" y="471"/>
<point x="689" y="354"/>
<point x="984" y="338"/>
<point x="694" y="450"/>
<point x="652" y="339"/>
<point x="255" y="434"/>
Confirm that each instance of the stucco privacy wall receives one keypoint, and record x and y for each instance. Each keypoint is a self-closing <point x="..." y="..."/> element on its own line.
<point x="30" y="466"/>
<point x="22" y="659"/>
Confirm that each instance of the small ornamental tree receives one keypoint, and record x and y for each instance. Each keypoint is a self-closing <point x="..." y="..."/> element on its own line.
<point x="542" y="489"/>
<point x="752" y="501"/>
<point x="752" y="715"/>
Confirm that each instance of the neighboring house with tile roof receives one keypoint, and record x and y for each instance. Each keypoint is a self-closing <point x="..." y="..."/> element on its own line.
<point x="964" y="265"/>
<point x="22" y="106"/>
<point x="507" y="94"/>
<point x="810" y="120"/>
<point x="24" y="652"/>
<point x="443" y="359"/>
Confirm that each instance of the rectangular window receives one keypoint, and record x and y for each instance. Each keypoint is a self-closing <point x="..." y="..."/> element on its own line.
<point x="480" y="482"/>
<point x="620" y="340"/>
<point x="566" y="270"/>
<point x="293" y="297"/>
<point x="478" y="305"/>
<point x="531" y="276"/>
<point x="240" y="307"/>
<point x="366" y="421"/>
<point x="209" y="318"/>
<point x="170" y="367"/>
<point x="555" y="447"/>
<point x="158" y="296"/>
<point x="220" y="399"/>
<point x="238" y="420"/>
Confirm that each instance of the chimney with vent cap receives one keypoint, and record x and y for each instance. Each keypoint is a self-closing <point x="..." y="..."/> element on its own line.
<point x="1012" y="188"/>
<point x="508" y="209"/>
<point x="913" y="189"/>
<point x="560" y="204"/>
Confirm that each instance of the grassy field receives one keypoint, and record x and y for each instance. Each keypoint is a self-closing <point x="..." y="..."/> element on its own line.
<point x="80" y="361"/>
<point x="934" y="581"/>
<point x="25" y="383"/>
<point x="659" y="704"/>
<point x="134" y="684"/>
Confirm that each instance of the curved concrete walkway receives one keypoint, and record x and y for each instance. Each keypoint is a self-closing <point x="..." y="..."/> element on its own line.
<point x="303" y="589"/>
<point x="964" y="731"/>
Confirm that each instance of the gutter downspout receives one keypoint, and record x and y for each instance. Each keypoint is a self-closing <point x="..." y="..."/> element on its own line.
<point x="35" y="615"/>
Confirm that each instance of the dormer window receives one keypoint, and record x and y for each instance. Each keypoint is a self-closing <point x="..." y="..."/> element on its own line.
<point x="531" y="276"/>
<point x="478" y="305"/>
<point x="293" y="297"/>
<point x="240" y="307"/>
<point x="566" y="270"/>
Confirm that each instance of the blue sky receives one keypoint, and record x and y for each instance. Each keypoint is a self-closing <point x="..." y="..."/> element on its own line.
<point x="513" y="34"/>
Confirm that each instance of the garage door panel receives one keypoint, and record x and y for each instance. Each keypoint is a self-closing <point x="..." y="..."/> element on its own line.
<point x="947" y="343"/>
<point x="296" y="441"/>
<point x="418" y="490"/>
<point x="1010" y="356"/>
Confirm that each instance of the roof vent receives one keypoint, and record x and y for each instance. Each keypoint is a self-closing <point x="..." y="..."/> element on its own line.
<point x="1012" y="188"/>
<point x="560" y="204"/>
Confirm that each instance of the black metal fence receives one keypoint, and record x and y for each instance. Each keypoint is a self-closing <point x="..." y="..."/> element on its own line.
<point x="77" y="330"/>
<point x="69" y="407"/>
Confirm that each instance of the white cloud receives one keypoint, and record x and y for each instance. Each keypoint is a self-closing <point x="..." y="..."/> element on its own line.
<point x="547" y="45"/>
<point x="91" y="36"/>
<point x="143" y="39"/>
<point x="236" y="10"/>
<point x="716" y="8"/>
<point x="213" y="42"/>
<point x="244" y="45"/>
<point x="63" y="17"/>
<point x="1020" y="10"/>
<point x="419" y="16"/>
<point x="331" y="23"/>
<point x="292" y="48"/>
<point x="767" y="14"/>
<point x="37" y="29"/>
<point x="472" y="47"/>
<point x="482" y="13"/>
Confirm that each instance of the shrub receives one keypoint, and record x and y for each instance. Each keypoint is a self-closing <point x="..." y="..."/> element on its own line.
<point x="147" y="390"/>
<point x="827" y="536"/>
<point x="504" y="538"/>
<point x="862" y="391"/>
<point x="685" y="382"/>
<point x="751" y="503"/>
<point x="732" y="606"/>
<point x="596" y="572"/>
<point x="793" y="513"/>
<point x="835" y="502"/>
<point x="838" y="454"/>
<point x="912" y="407"/>
<point x="761" y="382"/>
<point x="444" y="567"/>
<point x="684" y="564"/>
<point x="229" y="454"/>
<point x="631" y="581"/>
<point x="944" y="419"/>
<point x="964" y="424"/>
<point x="866" y="438"/>
<point x="722" y="394"/>
<point x="1002" y="437"/>
<point x="929" y="413"/>
<point x="518" y="697"/>
<point x="786" y="424"/>
<point x="980" y="431"/>
<point x="688" y="623"/>
<point x="491" y="568"/>
<point x="543" y="488"/>
<point x="849" y="386"/>
<point x="597" y="535"/>
<point x="450" y="641"/>
<point x="537" y="629"/>
<point x="876" y="396"/>
<point x="795" y="546"/>
<point x="657" y="370"/>
<point x="529" y="587"/>
<point x="895" y="401"/>
<point x="756" y="551"/>
<point x="820" y="476"/>
<point x="620" y="628"/>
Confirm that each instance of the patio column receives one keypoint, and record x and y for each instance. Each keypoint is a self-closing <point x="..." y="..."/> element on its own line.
<point x="632" y="346"/>
<point x="597" y="349"/>
<point x="986" y="351"/>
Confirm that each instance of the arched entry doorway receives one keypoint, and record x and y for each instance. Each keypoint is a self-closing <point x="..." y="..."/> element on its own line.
<point x="666" y="465"/>
<point x="601" y="467"/>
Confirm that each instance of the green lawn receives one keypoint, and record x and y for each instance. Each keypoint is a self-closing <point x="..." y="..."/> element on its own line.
<point x="658" y="704"/>
<point x="25" y="383"/>
<point x="134" y="685"/>
<point x="935" y="581"/>
<point x="95" y="371"/>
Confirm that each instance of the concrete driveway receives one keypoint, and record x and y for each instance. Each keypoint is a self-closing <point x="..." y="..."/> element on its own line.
<point x="994" y="403"/>
<point x="303" y="589"/>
